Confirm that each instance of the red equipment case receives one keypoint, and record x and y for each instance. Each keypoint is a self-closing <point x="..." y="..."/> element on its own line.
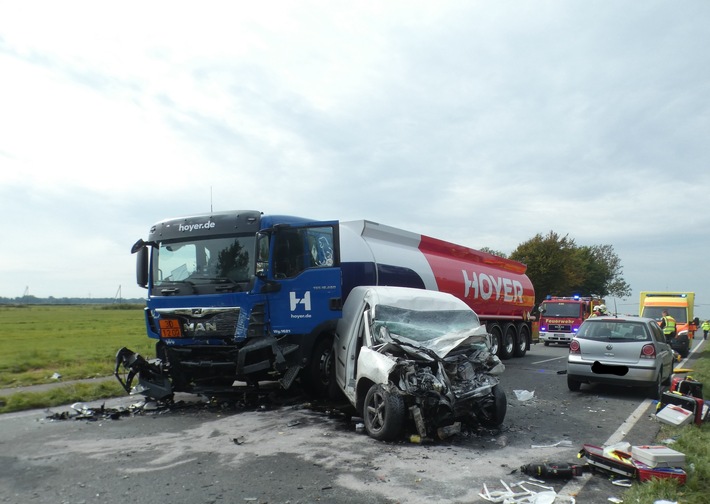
<point x="687" y="386"/>
<point x="690" y="403"/>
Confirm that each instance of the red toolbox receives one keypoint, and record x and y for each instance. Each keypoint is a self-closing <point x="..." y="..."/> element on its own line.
<point x="690" y="403"/>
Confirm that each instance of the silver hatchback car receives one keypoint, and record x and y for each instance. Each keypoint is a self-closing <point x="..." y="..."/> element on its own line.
<point x="625" y="351"/>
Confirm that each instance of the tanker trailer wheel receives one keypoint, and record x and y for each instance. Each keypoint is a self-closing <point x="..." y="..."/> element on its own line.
<point x="509" y="341"/>
<point x="383" y="413"/>
<point x="521" y="348"/>
<point x="496" y="337"/>
<point x="492" y="412"/>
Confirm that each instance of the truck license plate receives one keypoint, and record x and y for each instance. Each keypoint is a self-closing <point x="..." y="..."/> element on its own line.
<point x="170" y="328"/>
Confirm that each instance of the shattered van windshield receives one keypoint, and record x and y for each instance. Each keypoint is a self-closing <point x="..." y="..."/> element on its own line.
<point x="204" y="261"/>
<point x="421" y="325"/>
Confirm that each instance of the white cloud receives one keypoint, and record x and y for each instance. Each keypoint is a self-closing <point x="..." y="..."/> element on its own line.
<point x="482" y="123"/>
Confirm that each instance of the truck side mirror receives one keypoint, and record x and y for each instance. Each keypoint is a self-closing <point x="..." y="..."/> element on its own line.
<point x="142" y="267"/>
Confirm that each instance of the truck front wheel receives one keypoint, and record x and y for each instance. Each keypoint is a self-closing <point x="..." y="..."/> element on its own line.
<point x="319" y="377"/>
<point x="383" y="413"/>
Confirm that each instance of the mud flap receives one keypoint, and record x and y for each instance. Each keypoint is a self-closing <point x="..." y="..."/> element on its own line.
<point x="153" y="382"/>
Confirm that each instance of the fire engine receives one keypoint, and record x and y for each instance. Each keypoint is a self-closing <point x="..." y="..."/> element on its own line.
<point x="560" y="317"/>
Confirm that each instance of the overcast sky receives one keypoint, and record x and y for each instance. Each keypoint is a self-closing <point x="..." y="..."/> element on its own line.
<point x="483" y="123"/>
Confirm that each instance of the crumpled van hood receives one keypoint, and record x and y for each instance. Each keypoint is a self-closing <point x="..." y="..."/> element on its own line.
<point x="443" y="345"/>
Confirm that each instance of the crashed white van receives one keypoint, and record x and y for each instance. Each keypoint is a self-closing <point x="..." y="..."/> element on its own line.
<point x="411" y="355"/>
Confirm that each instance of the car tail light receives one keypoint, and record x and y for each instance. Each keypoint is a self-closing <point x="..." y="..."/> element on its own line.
<point x="648" y="352"/>
<point x="574" y="347"/>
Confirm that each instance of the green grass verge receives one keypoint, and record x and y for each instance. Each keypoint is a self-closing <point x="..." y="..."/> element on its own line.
<point x="75" y="341"/>
<point x="68" y="394"/>
<point x="692" y="440"/>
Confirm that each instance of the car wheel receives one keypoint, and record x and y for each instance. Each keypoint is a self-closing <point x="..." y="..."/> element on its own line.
<point x="547" y="343"/>
<point x="655" y="391"/>
<point x="508" y="341"/>
<point x="573" y="385"/>
<point x="383" y="414"/>
<point x="492" y="411"/>
<point x="667" y="381"/>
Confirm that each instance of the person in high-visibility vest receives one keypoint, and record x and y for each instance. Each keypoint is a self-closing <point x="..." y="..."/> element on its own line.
<point x="706" y="328"/>
<point x="668" y="326"/>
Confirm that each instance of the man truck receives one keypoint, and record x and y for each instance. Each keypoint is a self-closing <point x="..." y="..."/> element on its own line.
<point x="243" y="296"/>
<point x="679" y="306"/>
<point x="560" y="317"/>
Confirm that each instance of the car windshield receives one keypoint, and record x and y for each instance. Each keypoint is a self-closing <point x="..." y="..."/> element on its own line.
<point x="613" y="330"/>
<point x="422" y="325"/>
<point x="553" y="309"/>
<point x="204" y="261"/>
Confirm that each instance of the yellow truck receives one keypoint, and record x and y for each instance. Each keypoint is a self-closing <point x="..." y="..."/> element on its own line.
<point x="679" y="306"/>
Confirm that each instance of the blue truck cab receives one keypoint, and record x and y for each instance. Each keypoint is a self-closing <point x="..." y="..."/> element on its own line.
<point x="237" y="296"/>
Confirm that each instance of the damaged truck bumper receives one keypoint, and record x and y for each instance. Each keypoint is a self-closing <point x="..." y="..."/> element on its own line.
<point x="206" y="369"/>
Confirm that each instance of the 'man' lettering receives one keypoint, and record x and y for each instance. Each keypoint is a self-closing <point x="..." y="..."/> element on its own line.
<point x="487" y="287"/>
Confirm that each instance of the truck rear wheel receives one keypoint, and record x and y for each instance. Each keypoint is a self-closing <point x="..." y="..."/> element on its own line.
<point x="496" y="337"/>
<point x="383" y="413"/>
<point x="521" y="348"/>
<point x="509" y="341"/>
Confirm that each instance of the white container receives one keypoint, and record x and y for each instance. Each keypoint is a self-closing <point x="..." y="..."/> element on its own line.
<point x="658" y="456"/>
<point x="674" y="415"/>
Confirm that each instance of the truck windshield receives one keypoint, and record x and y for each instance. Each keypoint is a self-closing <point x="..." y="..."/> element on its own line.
<point x="656" y="312"/>
<point x="561" y="309"/>
<point x="213" y="260"/>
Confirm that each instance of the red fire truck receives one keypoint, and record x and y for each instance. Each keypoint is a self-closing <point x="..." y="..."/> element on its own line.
<point x="560" y="317"/>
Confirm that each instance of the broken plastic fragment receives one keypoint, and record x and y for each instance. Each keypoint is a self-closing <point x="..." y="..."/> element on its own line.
<point x="564" y="442"/>
<point x="80" y="407"/>
<point x="523" y="395"/>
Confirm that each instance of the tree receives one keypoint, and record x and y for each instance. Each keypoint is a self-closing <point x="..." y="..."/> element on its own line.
<point x="558" y="267"/>
<point x="548" y="259"/>
<point x="489" y="250"/>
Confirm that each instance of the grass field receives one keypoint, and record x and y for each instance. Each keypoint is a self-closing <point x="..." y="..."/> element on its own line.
<point x="76" y="342"/>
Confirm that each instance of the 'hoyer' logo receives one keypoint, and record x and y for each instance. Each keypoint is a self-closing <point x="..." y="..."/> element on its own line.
<point x="490" y="287"/>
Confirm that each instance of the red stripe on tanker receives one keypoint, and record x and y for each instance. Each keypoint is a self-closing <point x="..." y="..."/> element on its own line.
<point x="493" y="286"/>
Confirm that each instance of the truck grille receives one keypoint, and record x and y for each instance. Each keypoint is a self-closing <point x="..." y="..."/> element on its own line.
<point x="559" y="328"/>
<point x="204" y="323"/>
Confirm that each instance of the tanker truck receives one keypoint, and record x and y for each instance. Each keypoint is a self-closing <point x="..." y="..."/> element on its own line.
<point x="243" y="296"/>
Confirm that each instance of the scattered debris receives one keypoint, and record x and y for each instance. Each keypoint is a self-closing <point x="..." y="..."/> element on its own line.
<point x="563" y="442"/>
<point x="523" y="395"/>
<point x="552" y="470"/>
<point x="524" y="495"/>
<point x="56" y="376"/>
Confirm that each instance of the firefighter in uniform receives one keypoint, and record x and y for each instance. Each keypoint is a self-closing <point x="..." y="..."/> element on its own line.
<point x="668" y="326"/>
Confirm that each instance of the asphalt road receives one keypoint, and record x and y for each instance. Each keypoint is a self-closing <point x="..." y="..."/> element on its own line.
<point x="284" y="449"/>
